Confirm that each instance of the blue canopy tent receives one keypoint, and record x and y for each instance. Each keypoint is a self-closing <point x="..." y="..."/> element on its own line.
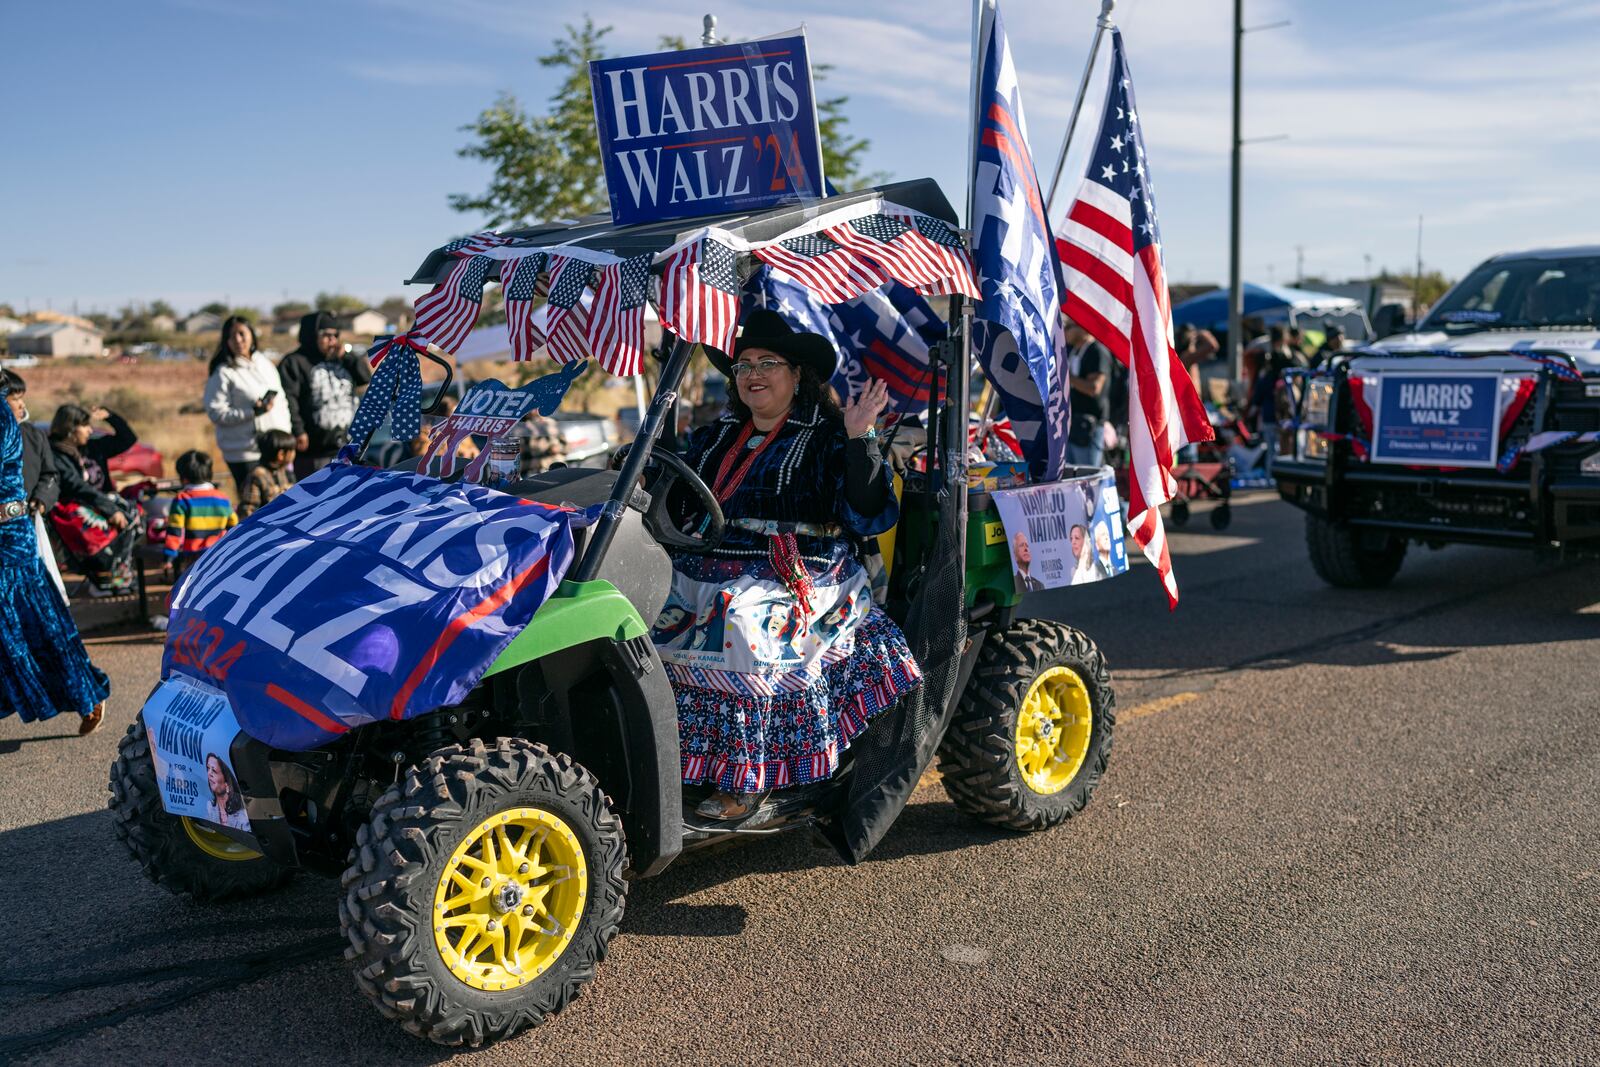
<point x="1276" y="303"/>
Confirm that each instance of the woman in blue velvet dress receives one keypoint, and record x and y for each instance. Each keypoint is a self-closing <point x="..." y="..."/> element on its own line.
<point x="776" y="652"/>
<point x="44" y="668"/>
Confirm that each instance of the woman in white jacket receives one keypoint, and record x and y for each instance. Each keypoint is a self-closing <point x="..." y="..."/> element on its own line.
<point x="244" y="396"/>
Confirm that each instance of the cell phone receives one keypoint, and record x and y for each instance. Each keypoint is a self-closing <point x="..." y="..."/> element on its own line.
<point x="265" y="400"/>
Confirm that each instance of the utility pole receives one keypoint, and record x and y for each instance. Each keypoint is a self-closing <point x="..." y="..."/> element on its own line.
<point x="1299" y="264"/>
<point x="1235" y="292"/>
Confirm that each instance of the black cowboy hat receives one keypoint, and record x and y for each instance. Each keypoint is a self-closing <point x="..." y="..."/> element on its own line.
<point x="767" y="329"/>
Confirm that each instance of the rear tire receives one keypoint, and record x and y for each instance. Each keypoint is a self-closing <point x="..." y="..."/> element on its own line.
<point x="1180" y="513"/>
<point x="982" y="770"/>
<point x="1222" y="516"/>
<point x="180" y="854"/>
<point x="398" y="908"/>
<point x="1343" y="559"/>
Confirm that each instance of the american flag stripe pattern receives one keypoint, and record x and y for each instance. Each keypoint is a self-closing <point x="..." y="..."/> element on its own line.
<point x="616" y="318"/>
<point x="918" y="250"/>
<point x="832" y="273"/>
<point x="1116" y="288"/>
<point x="700" y="293"/>
<point x="477" y="244"/>
<point x="568" y="324"/>
<point x="447" y="313"/>
<point x="522" y="283"/>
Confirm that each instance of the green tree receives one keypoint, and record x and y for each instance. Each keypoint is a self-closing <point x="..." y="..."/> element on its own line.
<point x="250" y="315"/>
<point x="290" y="309"/>
<point x="161" y="307"/>
<point x="340" y="303"/>
<point x="1429" y="287"/>
<point x="216" y="307"/>
<point x="545" y="166"/>
<point x="548" y="166"/>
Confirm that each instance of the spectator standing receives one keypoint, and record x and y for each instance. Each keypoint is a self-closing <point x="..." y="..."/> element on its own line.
<point x="244" y="397"/>
<point x="1194" y="347"/>
<point x="44" y="668"/>
<point x="1332" y="344"/>
<point x="1280" y="356"/>
<point x="321" y="381"/>
<point x="200" y="515"/>
<point x="39" y="478"/>
<point x="95" y="524"/>
<point x="273" y="473"/>
<point x="1088" y="368"/>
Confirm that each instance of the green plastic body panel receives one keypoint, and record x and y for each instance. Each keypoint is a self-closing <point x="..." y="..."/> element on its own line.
<point x="988" y="573"/>
<point x="577" y="612"/>
<point x="988" y="558"/>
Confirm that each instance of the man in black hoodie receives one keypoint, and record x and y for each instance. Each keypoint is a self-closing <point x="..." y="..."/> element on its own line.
<point x="320" y="383"/>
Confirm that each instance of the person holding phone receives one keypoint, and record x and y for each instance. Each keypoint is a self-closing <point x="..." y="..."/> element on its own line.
<point x="244" y="398"/>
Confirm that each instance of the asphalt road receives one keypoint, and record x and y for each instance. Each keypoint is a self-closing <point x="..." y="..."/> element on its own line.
<point x="1337" y="827"/>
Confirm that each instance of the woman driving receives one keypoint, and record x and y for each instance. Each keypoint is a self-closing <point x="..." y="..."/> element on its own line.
<point x="786" y="658"/>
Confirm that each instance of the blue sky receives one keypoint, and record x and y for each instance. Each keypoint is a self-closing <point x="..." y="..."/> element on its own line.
<point x="246" y="150"/>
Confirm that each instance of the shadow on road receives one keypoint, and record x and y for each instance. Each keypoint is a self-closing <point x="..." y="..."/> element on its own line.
<point x="153" y="953"/>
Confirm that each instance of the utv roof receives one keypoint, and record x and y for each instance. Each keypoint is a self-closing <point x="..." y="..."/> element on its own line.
<point x="598" y="233"/>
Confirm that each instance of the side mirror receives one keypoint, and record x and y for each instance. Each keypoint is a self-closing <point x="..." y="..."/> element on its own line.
<point x="1390" y="319"/>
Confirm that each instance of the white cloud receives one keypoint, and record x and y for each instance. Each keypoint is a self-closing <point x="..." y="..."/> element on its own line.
<point x="407" y="71"/>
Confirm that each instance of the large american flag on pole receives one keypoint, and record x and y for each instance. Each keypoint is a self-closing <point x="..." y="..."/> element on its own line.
<point x="1110" y="249"/>
<point x="700" y="293"/>
<point x="447" y="313"/>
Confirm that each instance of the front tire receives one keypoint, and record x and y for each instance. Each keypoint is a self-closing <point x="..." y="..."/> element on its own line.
<point x="483" y="890"/>
<point x="1030" y="739"/>
<point x="1344" y="558"/>
<point x="181" y="854"/>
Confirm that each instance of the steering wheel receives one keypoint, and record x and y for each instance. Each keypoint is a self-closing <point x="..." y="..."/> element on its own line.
<point x="664" y="471"/>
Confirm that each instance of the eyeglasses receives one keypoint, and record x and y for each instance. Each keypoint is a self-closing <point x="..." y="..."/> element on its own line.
<point x="762" y="367"/>
<point x="329" y="333"/>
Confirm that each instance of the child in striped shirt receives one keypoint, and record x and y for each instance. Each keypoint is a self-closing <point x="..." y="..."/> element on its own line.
<point x="200" y="515"/>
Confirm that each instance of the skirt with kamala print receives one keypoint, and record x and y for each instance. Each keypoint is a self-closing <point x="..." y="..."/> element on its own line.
<point x="770" y="693"/>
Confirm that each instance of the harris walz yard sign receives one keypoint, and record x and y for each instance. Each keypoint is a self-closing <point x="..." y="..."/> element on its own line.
<point x="731" y="127"/>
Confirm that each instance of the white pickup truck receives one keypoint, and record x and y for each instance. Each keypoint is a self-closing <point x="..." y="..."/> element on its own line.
<point x="1482" y="426"/>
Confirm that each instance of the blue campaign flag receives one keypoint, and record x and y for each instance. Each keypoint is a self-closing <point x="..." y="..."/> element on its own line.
<point x="363" y="595"/>
<point x="707" y="131"/>
<point x="1018" y="271"/>
<point x="884" y="334"/>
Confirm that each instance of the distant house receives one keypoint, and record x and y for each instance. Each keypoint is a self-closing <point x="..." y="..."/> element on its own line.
<point x="57" y="339"/>
<point x="201" y="322"/>
<point x="9" y="325"/>
<point x="161" y="323"/>
<point x="367" y="322"/>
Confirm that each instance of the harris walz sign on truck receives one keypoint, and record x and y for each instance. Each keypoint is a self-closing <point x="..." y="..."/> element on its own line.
<point x="707" y="131"/>
<point x="1480" y="426"/>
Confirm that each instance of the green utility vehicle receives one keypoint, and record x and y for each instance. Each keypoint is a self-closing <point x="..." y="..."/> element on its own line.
<point x="485" y="848"/>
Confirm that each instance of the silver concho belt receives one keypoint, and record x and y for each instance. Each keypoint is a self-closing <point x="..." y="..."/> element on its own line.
<point x="13" y="509"/>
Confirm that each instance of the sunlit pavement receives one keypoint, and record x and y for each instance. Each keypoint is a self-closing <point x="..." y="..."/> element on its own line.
<point x="1337" y="826"/>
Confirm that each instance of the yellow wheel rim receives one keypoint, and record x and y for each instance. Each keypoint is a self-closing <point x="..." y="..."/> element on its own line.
<point x="1053" y="730"/>
<point x="215" y="843"/>
<point x="509" y="899"/>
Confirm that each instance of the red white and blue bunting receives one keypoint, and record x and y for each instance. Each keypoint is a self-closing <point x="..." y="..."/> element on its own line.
<point x="595" y="301"/>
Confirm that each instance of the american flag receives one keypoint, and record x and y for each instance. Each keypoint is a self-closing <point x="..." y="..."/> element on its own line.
<point x="447" y="314"/>
<point x="1110" y="247"/>
<point x="568" y="322"/>
<point x="916" y="249"/>
<point x="521" y="281"/>
<point x="700" y="293"/>
<point x="616" y="318"/>
<point x="830" y="271"/>
<point x="477" y="243"/>
<point x="1019" y="335"/>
